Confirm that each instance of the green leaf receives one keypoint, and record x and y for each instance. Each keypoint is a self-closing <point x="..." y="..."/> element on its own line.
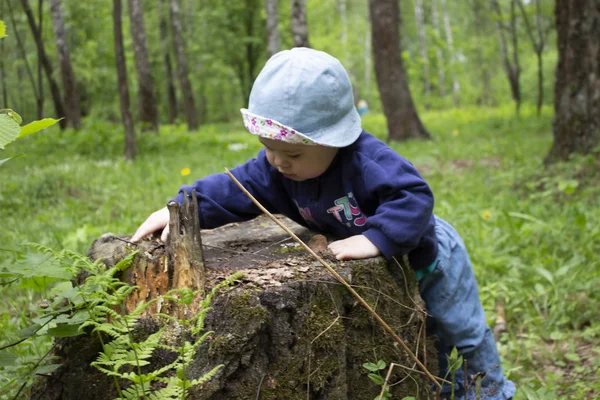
<point x="9" y="158"/>
<point x="46" y="369"/>
<point x="29" y="331"/>
<point x="371" y="367"/>
<point x="37" y="126"/>
<point x="381" y="364"/>
<point x="2" y="30"/>
<point x="65" y="331"/>
<point x="9" y="130"/>
<point x="376" y="378"/>
<point x="7" y="359"/>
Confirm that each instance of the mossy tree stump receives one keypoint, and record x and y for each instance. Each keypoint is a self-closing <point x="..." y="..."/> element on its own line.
<point x="287" y="330"/>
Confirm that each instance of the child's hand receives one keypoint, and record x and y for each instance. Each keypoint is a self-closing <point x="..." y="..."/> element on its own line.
<point x="354" y="248"/>
<point x="157" y="220"/>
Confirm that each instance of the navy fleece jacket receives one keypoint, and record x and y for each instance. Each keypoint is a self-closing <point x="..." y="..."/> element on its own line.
<point x="368" y="189"/>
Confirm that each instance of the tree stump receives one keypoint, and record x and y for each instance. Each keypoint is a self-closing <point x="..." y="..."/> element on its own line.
<point x="286" y="330"/>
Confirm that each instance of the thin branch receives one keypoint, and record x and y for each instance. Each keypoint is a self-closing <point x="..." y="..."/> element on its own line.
<point x="385" y="326"/>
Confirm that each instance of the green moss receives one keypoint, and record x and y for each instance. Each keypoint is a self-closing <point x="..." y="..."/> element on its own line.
<point x="246" y="307"/>
<point x="288" y="249"/>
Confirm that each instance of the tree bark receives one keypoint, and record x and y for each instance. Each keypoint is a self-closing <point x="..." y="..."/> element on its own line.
<point x="274" y="43"/>
<point x="423" y="47"/>
<point x="189" y="104"/>
<point x="299" y="24"/>
<point x="122" y="81"/>
<point x="166" y="50"/>
<point x="512" y="69"/>
<point x="577" y="87"/>
<point x="450" y="41"/>
<point x="439" y="54"/>
<point x="54" y="90"/>
<point x="146" y="94"/>
<point x="71" y="94"/>
<point x="402" y="118"/>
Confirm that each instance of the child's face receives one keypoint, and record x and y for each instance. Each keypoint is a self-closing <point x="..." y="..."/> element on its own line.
<point x="298" y="162"/>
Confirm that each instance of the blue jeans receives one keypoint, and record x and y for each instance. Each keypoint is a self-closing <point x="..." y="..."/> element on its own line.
<point x="456" y="316"/>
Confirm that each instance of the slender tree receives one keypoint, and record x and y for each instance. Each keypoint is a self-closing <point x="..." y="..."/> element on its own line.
<point x="23" y="52"/>
<point x="54" y="90"/>
<point x="439" y="54"/>
<point x="423" y="47"/>
<point x="182" y="67"/>
<point x="2" y="70"/>
<point x="512" y="68"/>
<point x="146" y="94"/>
<point x="122" y="80"/>
<point x="450" y="43"/>
<point x="538" y="36"/>
<point x="71" y="94"/>
<point x="402" y="118"/>
<point x="273" y="40"/>
<point x="166" y="51"/>
<point x="479" y="13"/>
<point x="40" y="98"/>
<point x="299" y="25"/>
<point x="577" y="87"/>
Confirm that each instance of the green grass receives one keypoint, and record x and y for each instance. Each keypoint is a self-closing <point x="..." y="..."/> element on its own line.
<point x="533" y="234"/>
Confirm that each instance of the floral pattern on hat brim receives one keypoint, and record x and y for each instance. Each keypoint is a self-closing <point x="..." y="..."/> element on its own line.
<point x="271" y="129"/>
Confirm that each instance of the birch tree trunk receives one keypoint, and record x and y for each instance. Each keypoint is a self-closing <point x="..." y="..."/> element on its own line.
<point x="189" y="104"/>
<point x="402" y="119"/>
<point x="146" y="94"/>
<point x="54" y="90"/>
<point x="2" y="70"/>
<point x="71" y="94"/>
<point x="368" y="65"/>
<point x="273" y="40"/>
<point x="342" y="6"/>
<point x="423" y="44"/>
<point x="438" y="50"/>
<point x="166" y="50"/>
<point x="122" y="81"/>
<point x="450" y="42"/>
<point x="577" y="88"/>
<point x="512" y="68"/>
<point x="299" y="25"/>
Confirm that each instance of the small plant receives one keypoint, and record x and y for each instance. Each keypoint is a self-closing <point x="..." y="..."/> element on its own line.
<point x="375" y="375"/>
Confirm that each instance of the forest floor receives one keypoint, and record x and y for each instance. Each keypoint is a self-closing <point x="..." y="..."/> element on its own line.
<point x="533" y="232"/>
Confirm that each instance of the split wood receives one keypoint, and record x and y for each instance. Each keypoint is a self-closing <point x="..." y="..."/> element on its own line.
<point x="340" y="279"/>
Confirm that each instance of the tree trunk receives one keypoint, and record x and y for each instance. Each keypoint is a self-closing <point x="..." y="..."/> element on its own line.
<point x="286" y="330"/>
<point x="272" y="27"/>
<point x="166" y="50"/>
<point x="512" y="69"/>
<point x="146" y="93"/>
<point x="423" y="47"/>
<point x="299" y="25"/>
<point x="342" y="7"/>
<point x="438" y="50"/>
<point x="122" y="81"/>
<point x="71" y="95"/>
<point x="483" y="65"/>
<point x="577" y="88"/>
<point x="450" y="41"/>
<point x="2" y="70"/>
<point x="23" y="52"/>
<point x="368" y="66"/>
<point x="402" y="118"/>
<point x="54" y="90"/>
<point x="189" y="104"/>
<point x="40" y="99"/>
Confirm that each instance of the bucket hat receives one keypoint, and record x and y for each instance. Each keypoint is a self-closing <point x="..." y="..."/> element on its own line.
<point x="303" y="96"/>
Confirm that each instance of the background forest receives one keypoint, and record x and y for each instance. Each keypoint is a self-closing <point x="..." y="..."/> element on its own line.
<point x="482" y="77"/>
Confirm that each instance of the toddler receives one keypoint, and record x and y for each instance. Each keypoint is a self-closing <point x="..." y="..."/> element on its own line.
<point x="319" y="168"/>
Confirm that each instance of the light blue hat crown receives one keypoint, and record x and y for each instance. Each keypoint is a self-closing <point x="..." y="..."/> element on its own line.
<point x="303" y="96"/>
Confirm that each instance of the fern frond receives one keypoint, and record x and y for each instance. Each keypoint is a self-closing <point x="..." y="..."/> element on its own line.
<point x="207" y="377"/>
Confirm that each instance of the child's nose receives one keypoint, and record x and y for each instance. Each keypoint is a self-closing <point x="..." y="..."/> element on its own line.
<point x="281" y="162"/>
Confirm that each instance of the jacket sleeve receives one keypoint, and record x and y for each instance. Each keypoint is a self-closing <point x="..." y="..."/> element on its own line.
<point x="221" y="201"/>
<point x="404" y="203"/>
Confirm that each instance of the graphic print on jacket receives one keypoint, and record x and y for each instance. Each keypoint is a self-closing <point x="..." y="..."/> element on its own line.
<point x="345" y="210"/>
